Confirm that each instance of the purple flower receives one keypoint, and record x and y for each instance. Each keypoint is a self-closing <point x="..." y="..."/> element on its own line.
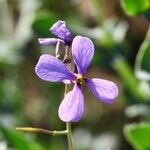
<point x="61" y="31"/>
<point x="51" y="69"/>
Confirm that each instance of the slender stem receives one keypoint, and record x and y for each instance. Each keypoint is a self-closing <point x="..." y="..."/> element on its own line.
<point x="68" y="125"/>
<point x="66" y="53"/>
<point x="39" y="130"/>
<point x="69" y="135"/>
<point x="57" y="49"/>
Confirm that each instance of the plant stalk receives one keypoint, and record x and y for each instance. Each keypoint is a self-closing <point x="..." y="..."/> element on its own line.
<point x="67" y="88"/>
<point x="68" y="126"/>
<point x="69" y="135"/>
<point x="39" y="130"/>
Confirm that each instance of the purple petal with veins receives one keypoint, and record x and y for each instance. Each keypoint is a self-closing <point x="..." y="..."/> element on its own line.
<point x="104" y="90"/>
<point x="49" y="41"/>
<point x="52" y="69"/>
<point x="82" y="51"/>
<point x="72" y="107"/>
<point x="60" y="29"/>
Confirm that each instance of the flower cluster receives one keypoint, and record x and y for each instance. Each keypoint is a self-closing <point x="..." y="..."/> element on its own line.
<point x="52" y="69"/>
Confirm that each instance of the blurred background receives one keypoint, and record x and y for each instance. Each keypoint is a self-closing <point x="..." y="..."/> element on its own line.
<point x="120" y="32"/>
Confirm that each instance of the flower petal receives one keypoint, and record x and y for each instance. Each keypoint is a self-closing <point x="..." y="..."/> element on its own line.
<point x="72" y="107"/>
<point x="105" y="90"/>
<point x="60" y="29"/>
<point x="52" y="69"/>
<point x="82" y="51"/>
<point x="49" y="41"/>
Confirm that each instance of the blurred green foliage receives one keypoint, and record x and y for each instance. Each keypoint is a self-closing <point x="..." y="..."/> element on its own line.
<point x="43" y="21"/>
<point x="142" y="66"/>
<point x="138" y="135"/>
<point x="132" y="7"/>
<point x="19" y="140"/>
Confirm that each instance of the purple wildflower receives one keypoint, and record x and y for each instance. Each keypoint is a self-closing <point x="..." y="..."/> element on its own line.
<point x="61" y="31"/>
<point x="51" y="69"/>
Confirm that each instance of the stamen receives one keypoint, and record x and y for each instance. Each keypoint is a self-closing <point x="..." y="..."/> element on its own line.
<point x="80" y="79"/>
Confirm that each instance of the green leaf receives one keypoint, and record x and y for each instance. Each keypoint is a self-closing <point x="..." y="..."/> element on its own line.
<point x="135" y="7"/>
<point x="42" y="23"/>
<point x="19" y="140"/>
<point x="138" y="135"/>
<point x="142" y="63"/>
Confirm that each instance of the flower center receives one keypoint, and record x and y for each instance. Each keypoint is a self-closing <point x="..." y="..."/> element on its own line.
<point x="80" y="79"/>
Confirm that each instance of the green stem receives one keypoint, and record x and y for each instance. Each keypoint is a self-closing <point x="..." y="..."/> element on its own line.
<point x="69" y="135"/>
<point x="39" y="130"/>
<point x="68" y="125"/>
